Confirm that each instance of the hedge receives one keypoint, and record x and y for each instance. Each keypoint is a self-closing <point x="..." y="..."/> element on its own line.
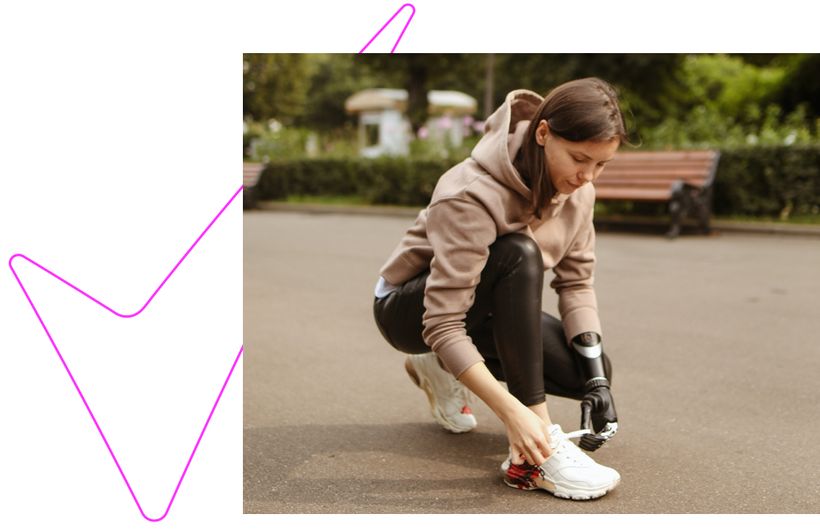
<point x="402" y="181"/>
<point x="761" y="181"/>
<point x="768" y="180"/>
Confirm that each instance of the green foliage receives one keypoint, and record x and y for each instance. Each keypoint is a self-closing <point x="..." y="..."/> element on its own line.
<point x="286" y="143"/>
<point x="770" y="181"/>
<point x="721" y="103"/>
<point x="427" y="149"/>
<point x="442" y="149"/>
<point x="643" y="80"/>
<point x="253" y="130"/>
<point x="707" y="127"/>
<point x="801" y="84"/>
<point x="339" y="143"/>
<point x="726" y="84"/>
<point x="335" y="78"/>
<point x="385" y="180"/>
<point x="261" y="144"/>
<point x="275" y="86"/>
<point x="670" y="100"/>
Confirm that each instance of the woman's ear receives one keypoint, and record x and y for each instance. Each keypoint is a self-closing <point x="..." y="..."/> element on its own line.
<point x="542" y="132"/>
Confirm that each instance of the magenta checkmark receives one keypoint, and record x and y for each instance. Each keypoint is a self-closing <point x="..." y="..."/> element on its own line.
<point x="130" y="315"/>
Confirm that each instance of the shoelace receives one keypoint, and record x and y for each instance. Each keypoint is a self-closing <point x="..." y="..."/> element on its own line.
<point x="576" y="434"/>
<point x="573" y="451"/>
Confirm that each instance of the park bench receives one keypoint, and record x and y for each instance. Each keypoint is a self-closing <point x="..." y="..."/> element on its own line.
<point x="683" y="179"/>
<point x="250" y="178"/>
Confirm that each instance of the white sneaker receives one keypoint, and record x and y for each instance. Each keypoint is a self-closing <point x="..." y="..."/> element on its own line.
<point x="568" y="473"/>
<point x="448" y="398"/>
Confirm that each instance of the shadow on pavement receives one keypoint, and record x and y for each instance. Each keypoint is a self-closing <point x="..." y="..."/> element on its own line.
<point x="408" y="467"/>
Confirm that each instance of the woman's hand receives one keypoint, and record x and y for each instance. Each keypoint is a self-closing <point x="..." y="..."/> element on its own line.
<point x="528" y="437"/>
<point x="526" y="431"/>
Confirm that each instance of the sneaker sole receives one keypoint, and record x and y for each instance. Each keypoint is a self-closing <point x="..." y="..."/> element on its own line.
<point x="431" y="398"/>
<point x="564" y="492"/>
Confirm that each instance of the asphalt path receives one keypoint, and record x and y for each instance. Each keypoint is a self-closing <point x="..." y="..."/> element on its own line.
<point x="715" y="342"/>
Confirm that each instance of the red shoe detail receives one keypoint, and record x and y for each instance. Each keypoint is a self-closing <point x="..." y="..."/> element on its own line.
<point x="466" y="410"/>
<point x="522" y="476"/>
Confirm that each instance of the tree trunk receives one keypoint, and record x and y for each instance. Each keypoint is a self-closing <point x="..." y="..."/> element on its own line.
<point x="417" y="95"/>
<point x="489" y="85"/>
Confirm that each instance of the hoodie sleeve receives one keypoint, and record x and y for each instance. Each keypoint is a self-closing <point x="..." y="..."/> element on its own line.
<point x="573" y="281"/>
<point x="460" y="234"/>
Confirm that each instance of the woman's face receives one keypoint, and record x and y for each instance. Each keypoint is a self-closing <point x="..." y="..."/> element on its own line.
<point x="573" y="164"/>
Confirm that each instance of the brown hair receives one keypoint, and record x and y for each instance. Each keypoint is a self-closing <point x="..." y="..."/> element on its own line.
<point x="577" y="111"/>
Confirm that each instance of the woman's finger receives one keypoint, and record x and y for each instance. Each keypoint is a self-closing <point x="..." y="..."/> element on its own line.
<point x="544" y="447"/>
<point x="544" y="444"/>
<point x="534" y="455"/>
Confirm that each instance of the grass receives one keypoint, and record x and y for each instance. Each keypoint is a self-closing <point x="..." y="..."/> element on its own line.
<point x="343" y="200"/>
<point x="792" y="220"/>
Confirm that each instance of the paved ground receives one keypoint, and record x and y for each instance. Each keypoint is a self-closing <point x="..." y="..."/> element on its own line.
<point x="716" y="349"/>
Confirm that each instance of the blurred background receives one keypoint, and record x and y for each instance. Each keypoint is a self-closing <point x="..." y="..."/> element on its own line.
<point x="381" y="129"/>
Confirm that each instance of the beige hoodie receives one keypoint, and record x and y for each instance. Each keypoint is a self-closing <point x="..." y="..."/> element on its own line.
<point x="474" y="203"/>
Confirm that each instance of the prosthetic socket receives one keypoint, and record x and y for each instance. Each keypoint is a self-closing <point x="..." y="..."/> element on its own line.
<point x="597" y="408"/>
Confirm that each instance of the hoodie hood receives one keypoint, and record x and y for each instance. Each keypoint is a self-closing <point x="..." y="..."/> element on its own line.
<point x="504" y="133"/>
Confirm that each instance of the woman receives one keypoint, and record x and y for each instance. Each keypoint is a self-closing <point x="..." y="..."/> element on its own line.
<point x="465" y="282"/>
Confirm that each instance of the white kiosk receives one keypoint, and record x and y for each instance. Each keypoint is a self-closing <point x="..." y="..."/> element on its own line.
<point x="385" y="130"/>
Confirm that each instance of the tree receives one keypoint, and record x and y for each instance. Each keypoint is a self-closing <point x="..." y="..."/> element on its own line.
<point x="336" y="77"/>
<point x="275" y="86"/>
<point x="801" y="84"/>
<point x="646" y="81"/>
<point x="419" y="73"/>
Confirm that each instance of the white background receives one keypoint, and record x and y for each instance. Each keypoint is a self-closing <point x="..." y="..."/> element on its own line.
<point x="119" y="141"/>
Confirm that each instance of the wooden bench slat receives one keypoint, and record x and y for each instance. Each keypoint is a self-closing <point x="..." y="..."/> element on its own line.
<point x="633" y="158"/>
<point x="652" y="168"/>
<point x="634" y="162"/>
<point x="643" y="183"/>
<point x="647" y="181"/>
<point x="667" y="156"/>
<point x="250" y="173"/>
<point x="250" y="177"/>
<point x="651" y="173"/>
<point x="633" y="194"/>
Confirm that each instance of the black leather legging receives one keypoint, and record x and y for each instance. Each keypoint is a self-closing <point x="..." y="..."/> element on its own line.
<point x="520" y="344"/>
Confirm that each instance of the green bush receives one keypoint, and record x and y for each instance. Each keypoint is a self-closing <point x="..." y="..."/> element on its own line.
<point x="768" y="181"/>
<point x="263" y="143"/>
<point x="385" y="180"/>
<point x="707" y="128"/>
<point x="279" y="144"/>
<point x="752" y="181"/>
<point x="722" y="101"/>
<point x="727" y="83"/>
